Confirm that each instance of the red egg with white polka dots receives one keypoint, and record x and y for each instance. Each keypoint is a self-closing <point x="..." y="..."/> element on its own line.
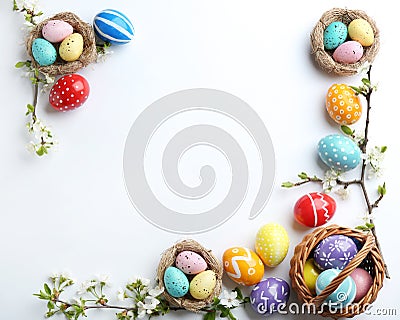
<point x="69" y="92"/>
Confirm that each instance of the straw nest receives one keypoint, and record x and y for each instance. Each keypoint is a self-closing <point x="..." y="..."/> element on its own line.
<point x="61" y="67"/>
<point x="168" y="259"/>
<point x="324" y="57"/>
<point x="368" y="258"/>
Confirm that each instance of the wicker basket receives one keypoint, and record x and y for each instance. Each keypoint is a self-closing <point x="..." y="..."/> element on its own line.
<point x="368" y="258"/>
<point x="324" y="58"/>
<point x="61" y="67"/>
<point x="168" y="259"/>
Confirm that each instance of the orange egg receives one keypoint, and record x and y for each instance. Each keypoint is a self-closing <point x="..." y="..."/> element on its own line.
<point x="243" y="266"/>
<point x="343" y="105"/>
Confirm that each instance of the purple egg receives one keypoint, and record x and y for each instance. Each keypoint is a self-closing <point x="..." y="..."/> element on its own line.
<point x="334" y="252"/>
<point x="269" y="295"/>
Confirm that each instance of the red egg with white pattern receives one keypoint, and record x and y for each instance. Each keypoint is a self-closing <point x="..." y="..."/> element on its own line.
<point x="314" y="209"/>
<point x="69" y="92"/>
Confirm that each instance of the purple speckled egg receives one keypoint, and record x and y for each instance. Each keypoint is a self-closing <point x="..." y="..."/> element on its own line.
<point x="334" y="252"/>
<point x="190" y="262"/>
<point x="348" y="52"/>
<point x="363" y="282"/>
<point x="270" y="295"/>
<point x="56" y="30"/>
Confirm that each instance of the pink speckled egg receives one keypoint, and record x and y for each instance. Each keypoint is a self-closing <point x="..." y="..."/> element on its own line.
<point x="348" y="52"/>
<point x="56" y="30"/>
<point x="363" y="282"/>
<point x="190" y="262"/>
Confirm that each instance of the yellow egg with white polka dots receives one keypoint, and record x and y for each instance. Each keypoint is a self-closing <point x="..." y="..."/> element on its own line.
<point x="343" y="105"/>
<point x="272" y="244"/>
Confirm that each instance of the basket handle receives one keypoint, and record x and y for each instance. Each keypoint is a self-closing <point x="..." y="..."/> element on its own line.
<point x="360" y="256"/>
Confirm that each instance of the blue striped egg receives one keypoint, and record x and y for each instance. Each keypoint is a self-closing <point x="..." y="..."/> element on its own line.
<point x="113" y="26"/>
<point x="339" y="152"/>
<point x="343" y="295"/>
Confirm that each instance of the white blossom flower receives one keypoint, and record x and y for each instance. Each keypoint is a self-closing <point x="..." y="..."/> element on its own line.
<point x="150" y="303"/>
<point x="364" y="67"/>
<point x="329" y="180"/>
<point x="155" y="292"/>
<point x="229" y="300"/>
<point x="85" y="286"/>
<point x="141" y="310"/>
<point x="343" y="193"/>
<point x="31" y="147"/>
<point x="75" y="300"/>
<point x="103" y="279"/>
<point x="102" y="57"/>
<point x="130" y="313"/>
<point x="121" y="295"/>
<point x="374" y="159"/>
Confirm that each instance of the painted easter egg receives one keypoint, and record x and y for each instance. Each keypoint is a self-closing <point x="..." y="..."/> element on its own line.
<point x="71" y="47"/>
<point x="348" y="52"/>
<point x="314" y="209"/>
<point x="335" y="252"/>
<point x="334" y="35"/>
<point x="272" y="244"/>
<point x="43" y="52"/>
<point x="363" y="281"/>
<point x="310" y="274"/>
<point x="176" y="282"/>
<point x="190" y="262"/>
<point x="343" y="105"/>
<point x="113" y="26"/>
<point x="270" y="295"/>
<point x="243" y="266"/>
<point x="56" y="30"/>
<point x="343" y="295"/>
<point x="360" y="30"/>
<point x="69" y="92"/>
<point x="203" y="284"/>
<point x="339" y="152"/>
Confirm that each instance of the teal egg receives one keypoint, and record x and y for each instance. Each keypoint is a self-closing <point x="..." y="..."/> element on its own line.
<point x="334" y="35"/>
<point x="339" y="152"/>
<point x="343" y="295"/>
<point x="43" y="52"/>
<point x="176" y="283"/>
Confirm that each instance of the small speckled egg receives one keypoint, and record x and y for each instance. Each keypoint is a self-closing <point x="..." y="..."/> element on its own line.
<point x="203" y="284"/>
<point x="334" y="35"/>
<point x="363" y="281"/>
<point x="43" y="52"/>
<point x="348" y="52"/>
<point x="343" y="105"/>
<point x="360" y="30"/>
<point x="56" y="30"/>
<point x="72" y="47"/>
<point x="272" y="244"/>
<point x="343" y="295"/>
<point x="243" y="266"/>
<point x="314" y="209"/>
<point x="270" y="295"/>
<point x="339" y="152"/>
<point x="176" y="283"/>
<point x="190" y="262"/>
<point x="311" y="273"/>
<point x="335" y="252"/>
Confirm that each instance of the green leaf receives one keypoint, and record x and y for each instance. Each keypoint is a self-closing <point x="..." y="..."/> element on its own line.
<point x="15" y="6"/>
<point x="366" y="82"/>
<point x="287" y="184"/>
<point x="20" y="64"/>
<point x="383" y="149"/>
<point x="210" y="315"/>
<point x="369" y="225"/>
<point x="356" y="89"/>
<point x="50" y="305"/>
<point x="224" y="313"/>
<point x="347" y="130"/>
<point x="239" y="293"/>
<point x="303" y="175"/>
<point x="41" y="151"/>
<point x="362" y="228"/>
<point x="47" y="288"/>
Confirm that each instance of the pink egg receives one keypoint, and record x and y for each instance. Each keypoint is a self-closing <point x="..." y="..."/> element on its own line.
<point x="363" y="282"/>
<point x="190" y="262"/>
<point x="56" y="30"/>
<point x="348" y="52"/>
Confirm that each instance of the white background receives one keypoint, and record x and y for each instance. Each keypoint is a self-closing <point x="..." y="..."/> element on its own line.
<point x="70" y="211"/>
